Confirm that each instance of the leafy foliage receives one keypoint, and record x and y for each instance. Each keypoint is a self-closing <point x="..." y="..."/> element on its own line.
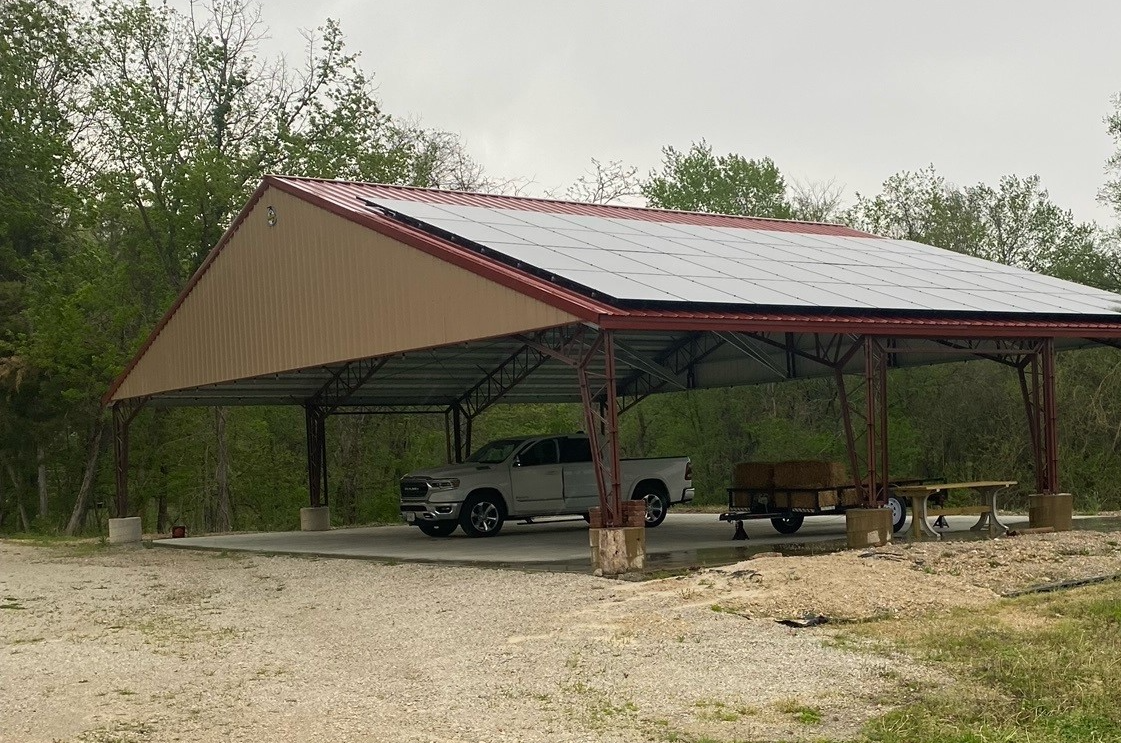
<point x="130" y="135"/>
<point x="700" y="181"/>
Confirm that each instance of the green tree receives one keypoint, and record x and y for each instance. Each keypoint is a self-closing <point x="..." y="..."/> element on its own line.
<point x="700" y="181"/>
<point x="42" y="66"/>
<point x="131" y="134"/>
<point x="1015" y="223"/>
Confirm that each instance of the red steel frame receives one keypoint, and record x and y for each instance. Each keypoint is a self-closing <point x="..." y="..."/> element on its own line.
<point x="592" y="355"/>
<point x="1037" y="386"/>
<point x="593" y="358"/>
<point x="601" y="414"/>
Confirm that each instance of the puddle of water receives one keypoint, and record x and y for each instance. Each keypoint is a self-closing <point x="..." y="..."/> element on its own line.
<point x="1098" y="523"/>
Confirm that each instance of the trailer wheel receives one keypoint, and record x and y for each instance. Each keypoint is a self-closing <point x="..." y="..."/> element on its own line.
<point x="788" y="524"/>
<point x="898" y="508"/>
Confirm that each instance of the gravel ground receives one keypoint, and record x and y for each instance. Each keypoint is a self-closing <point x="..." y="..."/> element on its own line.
<point x="162" y="645"/>
<point x="114" y="644"/>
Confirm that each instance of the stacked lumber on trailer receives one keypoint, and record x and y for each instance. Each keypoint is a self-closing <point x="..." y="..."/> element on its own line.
<point x="757" y="476"/>
<point x="810" y="475"/>
<point x="786" y="479"/>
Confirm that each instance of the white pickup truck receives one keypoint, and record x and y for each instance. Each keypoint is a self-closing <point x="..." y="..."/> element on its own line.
<point x="530" y="477"/>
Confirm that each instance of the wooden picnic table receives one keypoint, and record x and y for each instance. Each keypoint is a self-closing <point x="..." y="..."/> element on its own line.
<point x="986" y="490"/>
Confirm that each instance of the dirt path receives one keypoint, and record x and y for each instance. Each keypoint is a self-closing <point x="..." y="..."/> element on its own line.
<point x="101" y="644"/>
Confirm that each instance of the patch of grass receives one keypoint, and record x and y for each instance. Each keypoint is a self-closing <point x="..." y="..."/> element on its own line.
<point x="1044" y="668"/>
<point x="70" y="546"/>
<point x="714" y="709"/>
<point x="803" y="713"/>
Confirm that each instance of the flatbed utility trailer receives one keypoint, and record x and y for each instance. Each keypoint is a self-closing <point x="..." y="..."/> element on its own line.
<point x="787" y="508"/>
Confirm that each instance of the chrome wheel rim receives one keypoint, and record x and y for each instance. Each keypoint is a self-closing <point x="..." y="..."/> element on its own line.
<point x="654" y="507"/>
<point x="484" y="516"/>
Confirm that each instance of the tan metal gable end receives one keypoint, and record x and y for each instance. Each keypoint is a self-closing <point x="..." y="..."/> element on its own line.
<point x="316" y="289"/>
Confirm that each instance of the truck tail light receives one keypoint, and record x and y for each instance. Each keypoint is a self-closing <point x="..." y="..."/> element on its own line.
<point x="689" y="471"/>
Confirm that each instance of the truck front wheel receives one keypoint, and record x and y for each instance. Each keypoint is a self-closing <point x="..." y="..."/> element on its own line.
<point x="482" y="515"/>
<point x="437" y="528"/>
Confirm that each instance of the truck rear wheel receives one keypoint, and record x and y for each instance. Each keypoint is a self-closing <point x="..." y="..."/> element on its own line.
<point x="437" y="528"/>
<point x="657" y="506"/>
<point x="788" y="524"/>
<point x="482" y="515"/>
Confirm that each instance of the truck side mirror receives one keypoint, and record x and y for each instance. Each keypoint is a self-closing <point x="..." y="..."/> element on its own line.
<point x="518" y="461"/>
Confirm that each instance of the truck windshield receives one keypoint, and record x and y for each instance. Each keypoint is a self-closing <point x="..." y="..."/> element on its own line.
<point x="496" y="451"/>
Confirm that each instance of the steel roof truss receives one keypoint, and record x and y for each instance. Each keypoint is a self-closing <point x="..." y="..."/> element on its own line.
<point x="679" y="359"/>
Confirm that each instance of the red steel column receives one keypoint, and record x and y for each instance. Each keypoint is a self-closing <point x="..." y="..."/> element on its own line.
<point x="870" y="418"/>
<point x="1051" y="418"/>
<point x="885" y="449"/>
<point x="601" y="418"/>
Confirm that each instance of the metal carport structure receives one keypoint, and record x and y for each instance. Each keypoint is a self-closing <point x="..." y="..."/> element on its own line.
<point x="352" y="297"/>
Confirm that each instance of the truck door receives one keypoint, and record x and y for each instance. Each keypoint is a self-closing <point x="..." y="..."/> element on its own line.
<point x="536" y="480"/>
<point x="580" y="490"/>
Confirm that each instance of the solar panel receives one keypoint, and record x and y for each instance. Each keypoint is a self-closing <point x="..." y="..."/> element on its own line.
<point x="629" y="259"/>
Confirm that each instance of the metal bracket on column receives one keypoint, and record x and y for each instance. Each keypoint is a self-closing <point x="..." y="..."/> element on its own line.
<point x="123" y="412"/>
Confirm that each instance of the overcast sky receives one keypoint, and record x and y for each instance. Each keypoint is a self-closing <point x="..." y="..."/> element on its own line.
<point x="851" y="91"/>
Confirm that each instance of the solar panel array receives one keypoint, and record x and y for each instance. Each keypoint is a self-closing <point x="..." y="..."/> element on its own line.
<point x="628" y="259"/>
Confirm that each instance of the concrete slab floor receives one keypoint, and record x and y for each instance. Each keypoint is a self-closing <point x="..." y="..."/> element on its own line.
<point x="684" y="540"/>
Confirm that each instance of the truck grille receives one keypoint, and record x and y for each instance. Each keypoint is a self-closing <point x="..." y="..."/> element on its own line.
<point x="414" y="490"/>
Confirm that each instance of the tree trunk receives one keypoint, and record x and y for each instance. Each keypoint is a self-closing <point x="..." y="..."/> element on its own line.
<point x="223" y="519"/>
<point x="17" y="494"/>
<point x="81" y="505"/>
<point x="42" y="461"/>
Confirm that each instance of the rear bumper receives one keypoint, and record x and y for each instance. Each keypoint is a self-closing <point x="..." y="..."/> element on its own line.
<point x="687" y="495"/>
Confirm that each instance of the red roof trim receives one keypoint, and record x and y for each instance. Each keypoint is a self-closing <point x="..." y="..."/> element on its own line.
<point x="374" y="191"/>
<point x="914" y="327"/>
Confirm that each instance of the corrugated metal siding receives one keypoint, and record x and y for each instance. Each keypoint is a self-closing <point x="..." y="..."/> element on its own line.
<point x="349" y="195"/>
<point x="319" y="289"/>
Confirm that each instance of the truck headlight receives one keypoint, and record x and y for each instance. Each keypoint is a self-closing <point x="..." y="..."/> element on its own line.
<point x="450" y="483"/>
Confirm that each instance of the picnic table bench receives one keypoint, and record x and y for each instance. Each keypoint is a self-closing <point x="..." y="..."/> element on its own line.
<point x="986" y="512"/>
